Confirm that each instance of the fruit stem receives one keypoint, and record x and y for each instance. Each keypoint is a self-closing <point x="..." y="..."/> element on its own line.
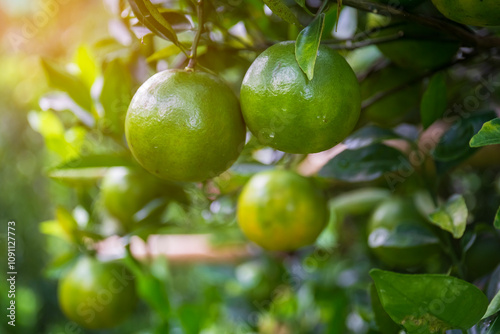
<point x="192" y="58"/>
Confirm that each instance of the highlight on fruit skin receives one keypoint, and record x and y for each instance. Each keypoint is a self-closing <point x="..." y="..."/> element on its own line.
<point x="471" y="12"/>
<point x="97" y="295"/>
<point x="288" y="112"/>
<point x="281" y="210"/>
<point x="185" y="126"/>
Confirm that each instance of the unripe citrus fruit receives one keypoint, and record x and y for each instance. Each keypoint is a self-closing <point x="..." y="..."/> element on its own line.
<point x="471" y="12"/>
<point x="125" y="191"/>
<point x="281" y="210"/>
<point x="399" y="236"/>
<point x="288" y="112"/>
<point x="97" y="295"/>
<point x="185" y="126"/>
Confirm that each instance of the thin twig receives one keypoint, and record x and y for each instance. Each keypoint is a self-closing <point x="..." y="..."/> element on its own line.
<point x="468" y="38"/>
<point x="381" y="95"/>
<point x="355" y="45"/>
<point x="192" y="58"/>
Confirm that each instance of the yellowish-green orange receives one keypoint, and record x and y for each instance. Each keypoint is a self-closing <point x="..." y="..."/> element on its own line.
<point x="97" y="295"/>
<point x="288" y="112"/>
<point x="471" y="12"/>
<point x="185" y="126"/>
<point x="395" y="107"/>
<point x="281" y="210"/>
<point x="399" y="236"/>
<point x="420" y="48"/>
<point x="126" y="191"/>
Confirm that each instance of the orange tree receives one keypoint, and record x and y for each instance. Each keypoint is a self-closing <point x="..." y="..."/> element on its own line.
<point x="393" y="228"/>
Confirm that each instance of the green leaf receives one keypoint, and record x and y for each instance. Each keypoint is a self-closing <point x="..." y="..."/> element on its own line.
<point x="385" y="324"/>
<point x="452" y="216"/>
<point x="434" y="100"/>
<point x="149" y="288"/>
<point x="115" y="97"/>
<point x="364" y="164"/>
<point x="166" y="52"/>
<point x="67" y="222"/>
<point x="88" y="169"/>
<point x="495" y="327"/>
<point x="454" y="144"/>
<point x="496" y="223"/>
<point x="359" y="201"/>
<point x="488" y="135"/>
<point x="493" y="307"/>
<point x="307" y="44"/>
<point x="60" y="79"/>
<point x="53" y="228"/>
<point x="87" y="65"/>
<point x="191" y="317"/>
<point x="281" y="10"/>
<point x="149" y="15"/>
<point x="368" y="135"/>
<point x="429" y="303"/>
<point x="302" y="3"/>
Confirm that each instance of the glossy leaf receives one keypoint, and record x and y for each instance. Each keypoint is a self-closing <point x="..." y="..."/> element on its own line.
<point x="493" y="307"/>
<point x="60" y="79"/>
<point x="434" y="100"/>
<point x="364" y="164"/>
<point x="429" y="303"/>
<point x="307" y="44"/>
<point x="384" y="322"/>
<point x="403" y="236"/>
<point x="453" y="145"/>
<point x="149" y="15"/>
<point x="488" y="135"/>
<point x="282" y="11"/>
<point x="452" y="216"/>
<point x="368" y="135"/>
<point x="115" y="97"/>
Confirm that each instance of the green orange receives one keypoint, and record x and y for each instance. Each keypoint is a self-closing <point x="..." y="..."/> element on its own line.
<point x="126" y="191"/>
<point x="185" y="126"/>
<point x="281" y="210"/>
<point x="399" y="236"/>
<point x="97" y="295"/>
<point x="288" y="112"/>
<point x="471" y="12"/>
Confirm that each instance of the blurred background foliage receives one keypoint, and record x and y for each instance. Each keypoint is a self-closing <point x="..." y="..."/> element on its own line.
<point x="68" y="69"/>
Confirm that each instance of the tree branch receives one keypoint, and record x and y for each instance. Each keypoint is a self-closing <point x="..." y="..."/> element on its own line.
<point x="460" y="32"/>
